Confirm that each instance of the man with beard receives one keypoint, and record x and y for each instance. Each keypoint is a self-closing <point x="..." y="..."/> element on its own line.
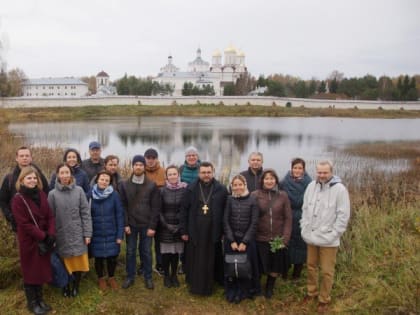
<point x="8" y="189"/>
<point x="141" y="202"/>
<point x="95" y="163"/>
<point x="156" y="173"/>
<point x="201" y="226"/>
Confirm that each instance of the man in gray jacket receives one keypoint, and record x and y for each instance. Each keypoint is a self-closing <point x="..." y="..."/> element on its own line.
<point x="326" y="212"/>
<point x="141" y="202"/>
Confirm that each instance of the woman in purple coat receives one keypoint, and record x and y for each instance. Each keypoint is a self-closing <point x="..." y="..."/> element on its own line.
<point x="35" y="223"/>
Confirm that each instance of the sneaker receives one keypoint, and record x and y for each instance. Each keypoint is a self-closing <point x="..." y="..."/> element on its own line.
<point x="149" y="284"/>
<point x="127" y="283"/>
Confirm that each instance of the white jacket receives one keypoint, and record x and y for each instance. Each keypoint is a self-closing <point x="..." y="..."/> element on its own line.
<point x="325" y="213"/>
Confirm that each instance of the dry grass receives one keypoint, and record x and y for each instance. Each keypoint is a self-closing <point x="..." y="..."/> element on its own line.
<point x="377" y="267"/>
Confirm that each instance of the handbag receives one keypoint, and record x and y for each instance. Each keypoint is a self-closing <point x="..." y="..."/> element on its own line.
<point x="43" y="247"/>
<point x="60" y="276"/>
<point x="238" y="266"/>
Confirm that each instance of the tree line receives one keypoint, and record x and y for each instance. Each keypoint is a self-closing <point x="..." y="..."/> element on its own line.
<point x="335" y="86"/>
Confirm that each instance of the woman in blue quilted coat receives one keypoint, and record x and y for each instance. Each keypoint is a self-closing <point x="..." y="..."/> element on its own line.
<point x="108" y="228"/>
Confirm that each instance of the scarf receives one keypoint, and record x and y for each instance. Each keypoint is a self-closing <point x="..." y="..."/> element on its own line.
<point x="138" y="179"/>
<point x="100" y="194"/>
<point x="176" y="186"/>
<point x="32" y="193"/>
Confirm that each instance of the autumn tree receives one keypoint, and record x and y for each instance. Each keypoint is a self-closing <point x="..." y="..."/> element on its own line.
<point x="91" y="82"/>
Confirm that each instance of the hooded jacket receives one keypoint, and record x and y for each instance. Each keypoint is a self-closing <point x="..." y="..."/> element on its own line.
<point x="72" y="218"/>
<point x="326" y="212"/>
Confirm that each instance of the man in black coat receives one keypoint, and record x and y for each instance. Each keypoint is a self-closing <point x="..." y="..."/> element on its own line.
<point x="8" y="189"/>
<point x="254" y="171"/>
<point x="201" y="226"/>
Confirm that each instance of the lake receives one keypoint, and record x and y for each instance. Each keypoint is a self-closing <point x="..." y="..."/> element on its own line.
<point x="225" y="141"/>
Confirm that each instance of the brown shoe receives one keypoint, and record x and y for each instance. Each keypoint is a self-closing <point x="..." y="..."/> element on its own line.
<point x="112" y="283"/>
<point x="322" y="308"/>
<point x="102" y="284"/>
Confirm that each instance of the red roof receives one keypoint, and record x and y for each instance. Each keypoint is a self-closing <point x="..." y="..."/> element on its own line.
<point x="102" y="74"/>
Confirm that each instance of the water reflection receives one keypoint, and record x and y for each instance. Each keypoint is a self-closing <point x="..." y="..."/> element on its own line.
<point x="224" y="141"/>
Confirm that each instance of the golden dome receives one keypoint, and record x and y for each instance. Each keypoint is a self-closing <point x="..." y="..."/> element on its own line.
<point x="241" y="53"/>
<point x="230" y="49"/>
<point x="217" y="53"/>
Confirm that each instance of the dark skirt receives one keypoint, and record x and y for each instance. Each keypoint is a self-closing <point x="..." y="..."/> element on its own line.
<point x="269" y="262"/>
<point x="244" y="288"/>
<point x="297" y="246"/>
<point x="203" y="258"/>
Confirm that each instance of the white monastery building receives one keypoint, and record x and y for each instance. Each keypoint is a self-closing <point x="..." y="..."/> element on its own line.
<point x="54" y="87"/>
<point x="103" y="86"/>
<point x="199" y="73"/>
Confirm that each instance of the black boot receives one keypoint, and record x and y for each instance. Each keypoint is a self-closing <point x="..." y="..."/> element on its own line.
<point x="269" y="286"/>
<point x="75" y="289"/>
<point x="167" y="282"/>
<point x="67" y="290"/>
<point x="297" y="269"/>
<point x="31" y="297"/>
<point x="40" y="299"/>
<point x="174" y="280"/>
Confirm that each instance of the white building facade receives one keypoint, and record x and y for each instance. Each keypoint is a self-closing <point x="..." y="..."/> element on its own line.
<point x="54" y="87"/>
<point x="200" y="72"/>
<point x="103" y="85"/>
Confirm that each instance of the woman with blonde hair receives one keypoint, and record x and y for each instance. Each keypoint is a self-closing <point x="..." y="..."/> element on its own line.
<point x="240" y="224"/>
<point x="36" y="236"/>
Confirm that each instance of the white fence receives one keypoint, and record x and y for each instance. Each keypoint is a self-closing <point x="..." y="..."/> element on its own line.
<point x="26" y="102"/>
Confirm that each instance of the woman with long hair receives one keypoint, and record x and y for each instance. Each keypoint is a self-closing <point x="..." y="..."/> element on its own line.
<point x="73" y="160"/>
<point x="35" y="223"/>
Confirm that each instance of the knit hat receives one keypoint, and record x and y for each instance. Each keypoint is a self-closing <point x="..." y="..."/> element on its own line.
<point x="191" y="150"/>
<point x="138" y="158"/>
<point x="151" y="153"/>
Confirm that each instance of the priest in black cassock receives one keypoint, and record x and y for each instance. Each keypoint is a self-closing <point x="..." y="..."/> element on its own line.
<point x="201" y="227"/>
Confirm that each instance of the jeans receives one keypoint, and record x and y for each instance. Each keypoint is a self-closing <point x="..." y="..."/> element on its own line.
<point x="145" y="252"/>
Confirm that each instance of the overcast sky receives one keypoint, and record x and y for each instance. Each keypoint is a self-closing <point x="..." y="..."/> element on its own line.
<point x="305" y="38"/>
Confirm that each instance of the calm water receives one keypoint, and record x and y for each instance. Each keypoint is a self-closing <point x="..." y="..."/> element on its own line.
<point x="224" y="141"/>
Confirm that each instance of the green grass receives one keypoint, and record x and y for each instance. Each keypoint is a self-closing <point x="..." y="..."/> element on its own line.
<point x="92" y="112"/>
<point x="377" y="266"/>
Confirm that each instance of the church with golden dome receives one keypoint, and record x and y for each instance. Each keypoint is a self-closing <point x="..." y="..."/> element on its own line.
<point x="223" y="69"/>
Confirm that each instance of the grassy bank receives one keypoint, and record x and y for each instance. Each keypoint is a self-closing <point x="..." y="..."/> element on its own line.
<point x="89" y="112"/>
<point x="377" y="268"/>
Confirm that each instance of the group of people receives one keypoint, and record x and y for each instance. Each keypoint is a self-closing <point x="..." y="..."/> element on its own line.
<point x="88" y="209"/>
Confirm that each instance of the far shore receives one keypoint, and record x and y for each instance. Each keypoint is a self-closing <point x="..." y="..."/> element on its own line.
<point x="64" y="113"/>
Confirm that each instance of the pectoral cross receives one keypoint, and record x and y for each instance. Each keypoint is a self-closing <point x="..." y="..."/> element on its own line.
<point x="205" y="209"/>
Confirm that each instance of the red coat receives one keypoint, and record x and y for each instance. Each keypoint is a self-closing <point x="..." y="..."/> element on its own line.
<point x="36" y="269"/>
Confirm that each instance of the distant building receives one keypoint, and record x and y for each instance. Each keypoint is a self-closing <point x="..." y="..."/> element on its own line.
<point x="54" y="87"/>
<point x="201" y="72"/>
<point x="103" y="86"/>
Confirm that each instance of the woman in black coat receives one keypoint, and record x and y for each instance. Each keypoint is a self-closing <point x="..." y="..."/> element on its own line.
<point x="171" y="245"/>
<point x="240" y="223"/>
